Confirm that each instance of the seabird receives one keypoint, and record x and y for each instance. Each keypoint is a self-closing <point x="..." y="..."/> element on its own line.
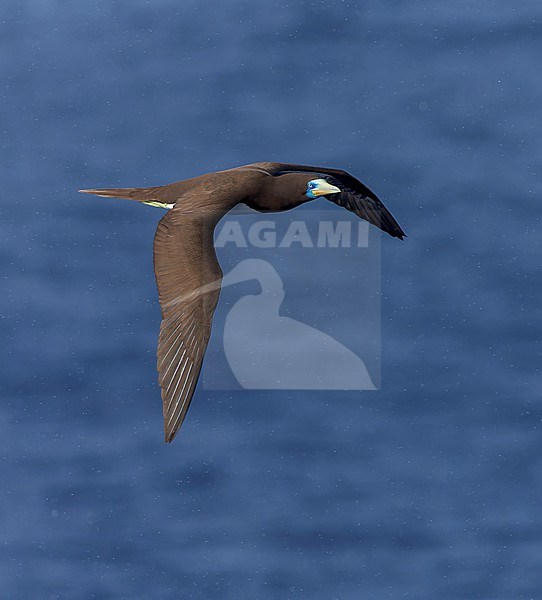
<point x="187" y="272"/>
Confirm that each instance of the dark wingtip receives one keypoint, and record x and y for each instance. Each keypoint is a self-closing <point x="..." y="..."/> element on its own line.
<point x="395" y="232"/>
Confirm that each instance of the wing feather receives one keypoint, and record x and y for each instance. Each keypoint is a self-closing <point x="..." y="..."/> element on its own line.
<point x="355" y="196"/>
<point x="188" y="277"/>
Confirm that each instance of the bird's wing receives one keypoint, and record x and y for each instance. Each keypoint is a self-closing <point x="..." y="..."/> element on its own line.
<point x="188" y="277"/>
<point x="354" y="196"/>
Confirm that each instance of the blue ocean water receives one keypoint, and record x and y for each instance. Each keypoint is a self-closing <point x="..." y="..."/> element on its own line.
<point x="430" y="487"/>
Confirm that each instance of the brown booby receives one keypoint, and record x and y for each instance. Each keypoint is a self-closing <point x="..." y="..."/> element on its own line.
<point x="187" y="272"/>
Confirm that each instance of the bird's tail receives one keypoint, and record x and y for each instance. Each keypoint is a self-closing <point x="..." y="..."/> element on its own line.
<point x="144" y="195"/>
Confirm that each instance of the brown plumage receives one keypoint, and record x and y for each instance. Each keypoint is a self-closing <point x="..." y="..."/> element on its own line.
<point x="187" y="271"/>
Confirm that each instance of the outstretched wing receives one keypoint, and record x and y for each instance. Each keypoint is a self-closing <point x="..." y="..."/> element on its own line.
<point x="355" y="196"/>
<point x="188" y="277"/>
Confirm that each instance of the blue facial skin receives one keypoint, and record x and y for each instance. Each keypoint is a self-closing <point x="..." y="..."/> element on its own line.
<point x="311" y="186"/>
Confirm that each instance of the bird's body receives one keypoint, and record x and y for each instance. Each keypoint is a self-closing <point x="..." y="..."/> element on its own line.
<point x="187" y="271"/>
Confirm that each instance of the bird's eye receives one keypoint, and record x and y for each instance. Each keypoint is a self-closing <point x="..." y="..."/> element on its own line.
<point x="312" y="184"/>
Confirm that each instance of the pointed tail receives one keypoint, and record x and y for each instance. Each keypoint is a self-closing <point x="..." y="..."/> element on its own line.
<point x="148" y="196"/>
<point x="139" y="194"/>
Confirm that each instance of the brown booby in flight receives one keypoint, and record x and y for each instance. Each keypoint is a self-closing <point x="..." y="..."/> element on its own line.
<point x="187" y="271"/>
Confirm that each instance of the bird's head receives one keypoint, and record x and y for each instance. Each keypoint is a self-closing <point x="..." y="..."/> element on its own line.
<point x="292" y="189"/>
<point x="320" y="187"/>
